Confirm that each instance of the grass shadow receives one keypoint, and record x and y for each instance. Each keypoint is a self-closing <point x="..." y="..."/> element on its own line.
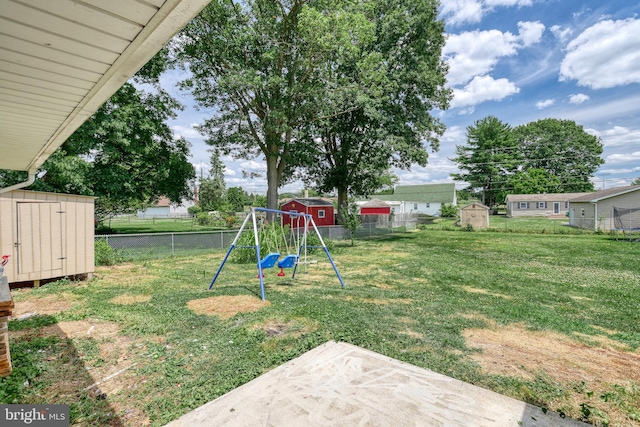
<point x="49" y="369"/>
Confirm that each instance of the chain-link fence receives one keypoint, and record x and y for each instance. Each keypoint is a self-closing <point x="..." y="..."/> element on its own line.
<point x="157" y="245"/>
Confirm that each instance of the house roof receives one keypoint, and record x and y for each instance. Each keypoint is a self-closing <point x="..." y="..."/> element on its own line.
<point x="606" y="194"/>
<point x="425" y="193"/>
<point x="312" y="202"/>
<point x="548" y="197"/>
<point x="63" y="59"/>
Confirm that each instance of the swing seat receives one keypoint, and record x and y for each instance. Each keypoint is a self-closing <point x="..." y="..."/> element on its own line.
<point x="288" y="262"/>
<point x="270" y="260"/>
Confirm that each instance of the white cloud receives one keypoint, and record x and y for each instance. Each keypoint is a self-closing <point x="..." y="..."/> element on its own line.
<point x="519" y="3"/>
<point x="253" y="166"/>
<point x="618" y="136"/>
<point x="605" y="55"/>
<point x="475" y="53"/>
<point x="457" y="12"/>
<point x="530" y="32"/>
<point x="483" y="88"/>
<point x="622" y="158"/>
<point x="578" y="98"/>
<point x="544" y="104"/>
<point x="187" y="132"/>
<point x="461" y="11"/>
<point x="561" y="34"/>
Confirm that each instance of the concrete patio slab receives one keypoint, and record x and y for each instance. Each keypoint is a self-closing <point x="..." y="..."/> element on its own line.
<point x="338" y="384"/>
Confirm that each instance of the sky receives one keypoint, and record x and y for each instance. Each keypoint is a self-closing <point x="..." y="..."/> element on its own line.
<point x="517" y="60"/>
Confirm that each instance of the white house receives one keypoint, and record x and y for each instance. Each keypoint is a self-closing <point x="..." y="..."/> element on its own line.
<point x="424" y="198"/>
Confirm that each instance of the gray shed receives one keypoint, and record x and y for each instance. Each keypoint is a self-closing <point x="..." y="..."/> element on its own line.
<point x="47" y="235"/>
<point x="474" y="214"/>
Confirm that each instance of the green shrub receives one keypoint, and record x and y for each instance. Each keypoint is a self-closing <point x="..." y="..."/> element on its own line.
<point x="104" y="254"/>
<point x="448" y="211"/>
<point x="203" y="218"/>
<point x="194" y="210"/>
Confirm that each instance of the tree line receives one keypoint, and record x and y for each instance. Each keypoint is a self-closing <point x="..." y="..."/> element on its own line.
<point x="545" y="156"/>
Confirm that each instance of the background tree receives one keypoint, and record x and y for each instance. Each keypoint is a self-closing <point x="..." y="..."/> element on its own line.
<point x="251" y="65"/>
<point x="563" y="149"/>
<point x="237" y="198"/>
<point x="378" y="94"/>
<point x="636" y="181"/>
<point x="351" y="219"/>
<point x="534" y="181"/>
<point x="489" y="158"/>
<point x="212" y="188"/>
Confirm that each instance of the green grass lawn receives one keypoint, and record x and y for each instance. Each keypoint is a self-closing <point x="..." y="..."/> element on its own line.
<point x="568" y="304"/>
<point x="134" y="225"/>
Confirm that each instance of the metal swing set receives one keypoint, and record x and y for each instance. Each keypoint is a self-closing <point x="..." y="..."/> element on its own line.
<point x="270" y="260"/>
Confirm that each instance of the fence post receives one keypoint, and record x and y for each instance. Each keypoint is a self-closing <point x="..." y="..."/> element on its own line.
<point x="172" y="246"/>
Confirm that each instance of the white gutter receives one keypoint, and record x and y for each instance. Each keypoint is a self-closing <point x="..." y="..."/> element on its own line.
<point x="28" y="182"/>
<point x="595" y="221"/>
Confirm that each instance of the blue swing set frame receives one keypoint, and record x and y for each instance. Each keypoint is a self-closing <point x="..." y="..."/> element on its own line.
<point x="270" y="259"/>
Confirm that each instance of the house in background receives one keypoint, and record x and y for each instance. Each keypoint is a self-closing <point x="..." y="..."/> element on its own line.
<point x="549" y="205"/>
<point x="374" y="207"/>
<point x="596" y="210"/>
<point x="425" y="198"/>
<point x="321" y="210"/>
<point x="165" y="209"/>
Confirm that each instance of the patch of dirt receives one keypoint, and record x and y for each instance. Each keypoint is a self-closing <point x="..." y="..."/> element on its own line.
<point x="130" y="299"/>
<point x="412" y="334"/>
<point x="296" y="327"/>
<point x="73" y="329"/>
<point x="226" y="306"/>
<point x="124" y="274"/>
<point x="515" y="351"/>
<point x="484" y="292"/>
<point x="49" y="304"/>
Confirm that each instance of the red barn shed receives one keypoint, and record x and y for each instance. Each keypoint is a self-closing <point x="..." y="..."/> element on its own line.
<point x="321" y="211"/>
<point x="375" y="207"/>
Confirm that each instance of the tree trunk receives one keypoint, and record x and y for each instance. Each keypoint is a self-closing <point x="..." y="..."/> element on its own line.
<point x="272" y="185"/>
<point x="342" y="203"/>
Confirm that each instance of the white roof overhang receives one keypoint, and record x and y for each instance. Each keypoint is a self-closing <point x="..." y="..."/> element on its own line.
<point x="60" y="60"/>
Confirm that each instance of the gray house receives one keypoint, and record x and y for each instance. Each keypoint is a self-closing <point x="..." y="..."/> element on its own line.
<point x="425" y="198"/>
<point x="549" y="205"/>
<point x="610" y="209"/>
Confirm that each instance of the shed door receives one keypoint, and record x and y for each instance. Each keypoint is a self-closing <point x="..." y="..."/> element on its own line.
<point x="39" y="245"/>
<point x="556" y="207"/>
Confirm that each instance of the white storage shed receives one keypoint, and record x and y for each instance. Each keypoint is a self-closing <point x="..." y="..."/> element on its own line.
<point x="47" y="235"/>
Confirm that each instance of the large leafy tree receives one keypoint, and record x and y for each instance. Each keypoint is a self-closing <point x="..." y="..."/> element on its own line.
<point x="489" y="158"/>
<point x="124" y="154"/>
<point x="380" y="92"/>
<point x="534" y="181"/>
<point x="563" y="149"/>
<point x="257" y="65"/>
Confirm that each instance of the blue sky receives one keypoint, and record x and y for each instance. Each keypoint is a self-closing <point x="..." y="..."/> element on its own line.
<point x="521" y="61"/>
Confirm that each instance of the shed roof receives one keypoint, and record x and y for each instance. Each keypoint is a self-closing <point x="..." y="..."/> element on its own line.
<point x="547" y="197"/>
<point x="606" y="194"/>
<point x="312" y="202"/>
<point x="475" y="205"/>
<point x="375" y="203"/>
